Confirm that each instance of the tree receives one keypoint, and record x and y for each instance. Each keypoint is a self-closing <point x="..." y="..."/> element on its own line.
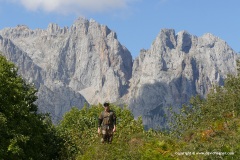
<point x="212" y="124"/>
<point x="78" y="128"/>
<point x="24" y="134"/>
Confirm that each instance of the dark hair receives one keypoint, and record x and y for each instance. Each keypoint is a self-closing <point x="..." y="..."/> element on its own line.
<point x="106" y="104"/>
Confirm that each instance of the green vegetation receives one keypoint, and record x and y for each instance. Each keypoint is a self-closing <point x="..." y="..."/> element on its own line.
<point x="212" y="125"/>
<point x="24" y="134"/>
<point x="206" y="129"/>
<point x="79" y="131"/>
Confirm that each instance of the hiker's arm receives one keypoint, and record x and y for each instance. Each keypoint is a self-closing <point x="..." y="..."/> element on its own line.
<point x="99" y="122"/>
<point x="114" y="123"/>
<point x="114" y="128"/>
<point x="99" y="125"/>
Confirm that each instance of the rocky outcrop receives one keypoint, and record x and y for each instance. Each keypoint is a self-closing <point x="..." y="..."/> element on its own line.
<point x="86" y="63"/>
<point x="175" y="68"/>
<point x="53" y="98"/>
<point x="67" y="64"/>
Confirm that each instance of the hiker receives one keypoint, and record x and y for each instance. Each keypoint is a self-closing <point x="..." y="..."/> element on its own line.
<point x="107" y="124"/>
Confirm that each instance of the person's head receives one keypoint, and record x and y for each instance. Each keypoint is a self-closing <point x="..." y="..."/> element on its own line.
<point x="106" y="106"/>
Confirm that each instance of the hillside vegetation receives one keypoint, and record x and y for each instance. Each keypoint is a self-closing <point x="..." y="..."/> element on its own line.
<point x="205" y="129"/>
<point x="24" y="134"/>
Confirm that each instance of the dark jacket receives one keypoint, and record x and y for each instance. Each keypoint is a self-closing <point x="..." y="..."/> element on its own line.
<point x="107" y="118"/>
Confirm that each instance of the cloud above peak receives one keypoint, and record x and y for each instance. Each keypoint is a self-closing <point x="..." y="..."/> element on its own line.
<point x="75" y="6"/>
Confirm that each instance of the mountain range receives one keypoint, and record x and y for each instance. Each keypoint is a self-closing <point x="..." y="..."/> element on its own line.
<point x="85" y="63"/>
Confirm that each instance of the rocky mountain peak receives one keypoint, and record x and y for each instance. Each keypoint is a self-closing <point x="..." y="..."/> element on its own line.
<point x="86" y="26"/>
<point x="86" y="63"/>
<point x="176" y="67"/>
<point x="53" y="28"/>
<point x="184" y="41"/>
<point x="166" y="39"/>
<point x="22" y="27"/>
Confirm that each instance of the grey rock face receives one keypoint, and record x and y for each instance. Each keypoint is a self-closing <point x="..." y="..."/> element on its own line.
<point x="86" y="63"/>
<point x="175" y="68"/>
<point x="54" y="98"/>
<point x="68" y="64"/>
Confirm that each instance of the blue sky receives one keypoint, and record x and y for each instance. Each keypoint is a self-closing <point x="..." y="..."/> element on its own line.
<point x="136" y="22"/>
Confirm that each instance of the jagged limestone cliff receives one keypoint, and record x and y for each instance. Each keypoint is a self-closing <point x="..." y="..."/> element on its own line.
<point x="86" y="63"/>
<point x="70" y="66"/>
<point x="176" y="67"/>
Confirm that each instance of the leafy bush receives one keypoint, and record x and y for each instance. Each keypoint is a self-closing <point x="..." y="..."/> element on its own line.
<point x="23" y="132"/>
<point x="211" y="126"/>
<point x="79" y="130"/>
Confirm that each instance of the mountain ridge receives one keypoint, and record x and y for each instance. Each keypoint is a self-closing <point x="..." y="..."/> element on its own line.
<point x="88" y="63"/>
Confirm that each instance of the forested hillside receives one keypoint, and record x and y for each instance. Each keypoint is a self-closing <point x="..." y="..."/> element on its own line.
<point x="206" y="129"/>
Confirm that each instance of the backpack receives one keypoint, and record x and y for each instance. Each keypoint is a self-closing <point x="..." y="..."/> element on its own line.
<point x="108" y="117"/>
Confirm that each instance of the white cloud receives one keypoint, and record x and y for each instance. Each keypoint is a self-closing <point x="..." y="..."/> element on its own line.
<point x="75" y="6"/>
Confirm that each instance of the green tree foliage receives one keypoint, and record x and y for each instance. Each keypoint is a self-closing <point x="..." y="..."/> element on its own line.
<point x="206" y="129"/>
<point x="211" y="125"/>
<point x="79" y="131"/>
<point x="24" y="134"/>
